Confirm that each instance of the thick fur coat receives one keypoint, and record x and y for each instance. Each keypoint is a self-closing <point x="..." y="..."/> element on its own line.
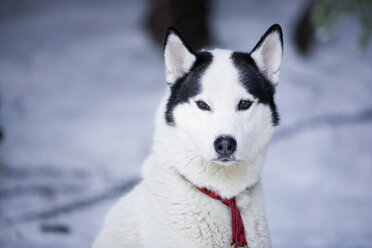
<point x="206" y="98"/>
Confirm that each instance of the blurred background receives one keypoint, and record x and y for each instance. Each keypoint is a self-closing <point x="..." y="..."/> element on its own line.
<point x="80" y="81"/>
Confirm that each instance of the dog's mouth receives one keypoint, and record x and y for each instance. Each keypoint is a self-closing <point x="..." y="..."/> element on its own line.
<point x="225" y="160"/>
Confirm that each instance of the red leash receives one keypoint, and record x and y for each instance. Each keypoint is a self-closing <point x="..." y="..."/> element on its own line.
<point x="238" y="232"/>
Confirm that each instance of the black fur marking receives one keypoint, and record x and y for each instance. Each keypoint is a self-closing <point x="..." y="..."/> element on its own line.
<point x="188" y="85"/>
<point x="172" y="30"/>
<point x="255" y="82"/>
<point x="272" y="29"/>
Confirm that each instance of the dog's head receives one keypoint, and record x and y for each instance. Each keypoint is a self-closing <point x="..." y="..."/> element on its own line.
<point x="223" y="100"/>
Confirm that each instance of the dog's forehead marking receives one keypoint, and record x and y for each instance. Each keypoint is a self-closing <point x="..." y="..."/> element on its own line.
<point x="221" y="80"/>
<point x="233" y="76"/>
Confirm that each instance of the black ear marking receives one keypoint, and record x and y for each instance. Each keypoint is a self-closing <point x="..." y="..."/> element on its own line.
<point x="178" y="55"/>
<point x="274" y="28"/>
<point x="268" y="53"/>
<point x="173" y="30"/>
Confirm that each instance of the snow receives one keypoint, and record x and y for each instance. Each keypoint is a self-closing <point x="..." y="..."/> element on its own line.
<point x="79" y="84"/>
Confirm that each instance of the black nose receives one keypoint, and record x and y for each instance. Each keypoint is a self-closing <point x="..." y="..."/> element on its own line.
<point x="225" y="145"/>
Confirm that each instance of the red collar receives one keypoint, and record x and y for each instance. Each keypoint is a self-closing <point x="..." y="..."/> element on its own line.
<point x="238" y="232"/>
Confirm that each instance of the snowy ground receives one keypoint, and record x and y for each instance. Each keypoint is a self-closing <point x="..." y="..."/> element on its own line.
<point x="79" y="83"/>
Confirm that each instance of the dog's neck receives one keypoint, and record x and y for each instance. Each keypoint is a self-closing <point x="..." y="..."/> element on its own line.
<point x="176" y="153"/>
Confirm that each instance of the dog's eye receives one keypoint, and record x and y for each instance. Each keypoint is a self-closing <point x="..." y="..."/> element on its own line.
<point x="202" y="105"/>
<point x="244" y="105"/>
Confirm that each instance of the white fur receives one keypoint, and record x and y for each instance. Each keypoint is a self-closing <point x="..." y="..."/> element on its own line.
<point x="165" y="210"/>
<point x="268" y="56"/>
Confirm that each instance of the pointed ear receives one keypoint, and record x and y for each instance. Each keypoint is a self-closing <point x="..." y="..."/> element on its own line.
<point x="268" y="53"/>
<point x="179" y="57"/>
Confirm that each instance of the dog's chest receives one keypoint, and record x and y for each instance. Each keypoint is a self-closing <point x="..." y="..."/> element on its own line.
<point x="204" y="220"/>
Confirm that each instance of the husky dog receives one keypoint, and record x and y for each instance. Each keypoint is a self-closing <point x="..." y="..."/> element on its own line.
<point x="212" y="131"/>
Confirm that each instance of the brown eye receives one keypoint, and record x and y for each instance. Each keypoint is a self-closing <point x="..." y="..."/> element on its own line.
<point x="202" y="105"/>
<point x="244" y="105"/>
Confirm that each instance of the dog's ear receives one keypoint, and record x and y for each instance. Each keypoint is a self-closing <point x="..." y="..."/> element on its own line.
<point x="268" y="53"/>
<point x="179" y="57"/>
